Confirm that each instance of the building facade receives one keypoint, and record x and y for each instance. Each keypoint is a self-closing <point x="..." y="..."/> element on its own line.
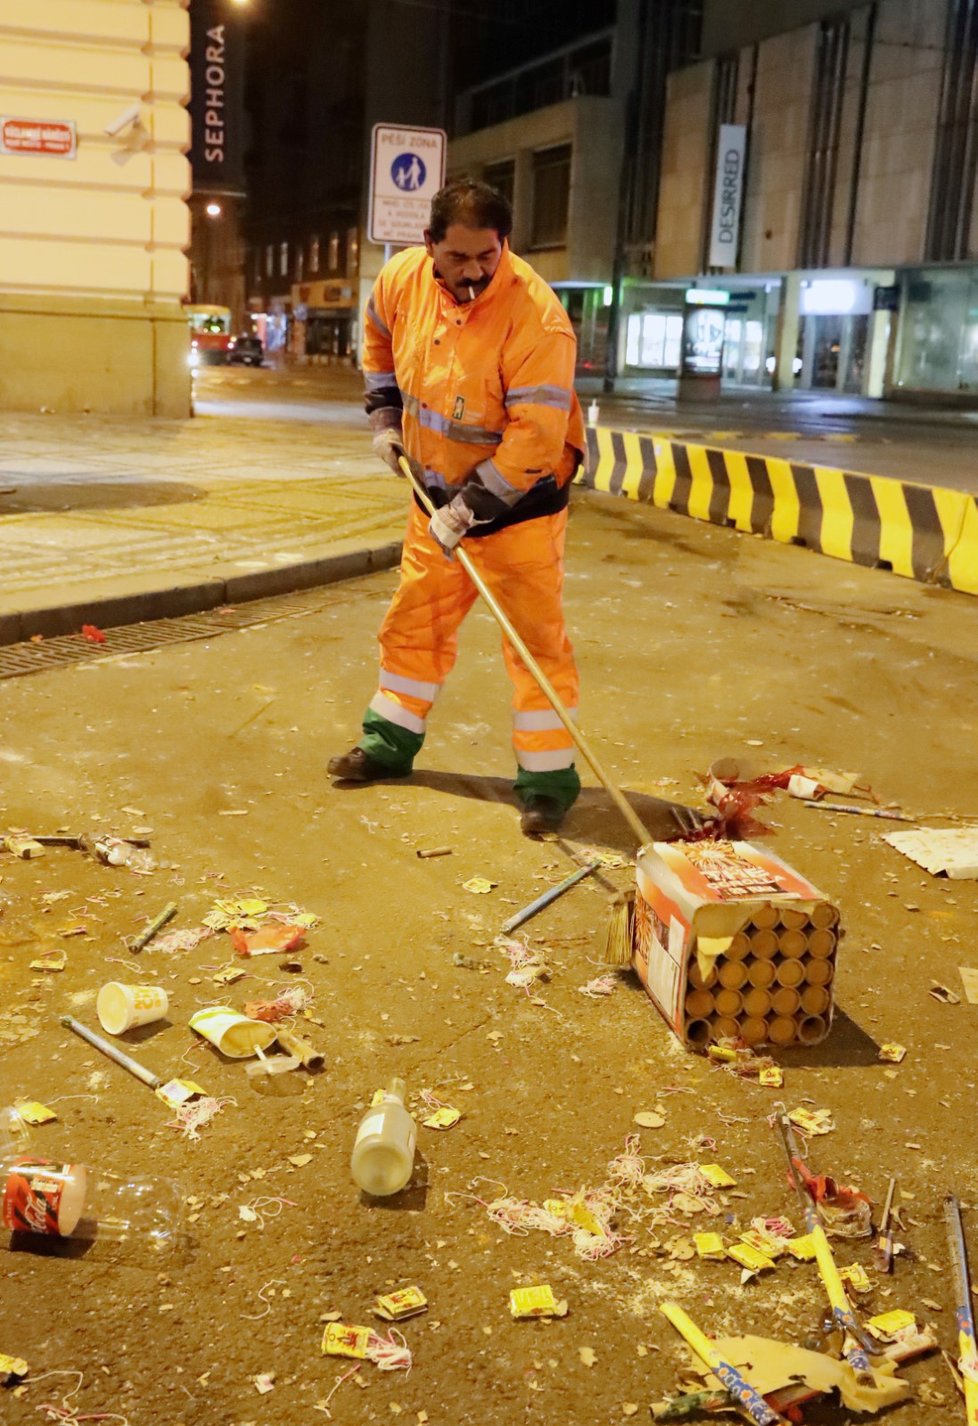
<point x="846" y="149"/>
<point x="93" y="216"/>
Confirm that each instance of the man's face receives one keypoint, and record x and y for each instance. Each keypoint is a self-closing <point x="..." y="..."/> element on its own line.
<point x="465" y="259"/>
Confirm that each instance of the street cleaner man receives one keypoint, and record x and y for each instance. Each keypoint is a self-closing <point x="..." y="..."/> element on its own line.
<point x="469" y="369"/>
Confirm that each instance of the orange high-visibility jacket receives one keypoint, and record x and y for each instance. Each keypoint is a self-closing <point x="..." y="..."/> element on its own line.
<point x="484" y="388"/>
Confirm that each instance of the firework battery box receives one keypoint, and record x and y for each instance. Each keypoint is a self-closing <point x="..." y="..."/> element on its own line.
<point x="732" y="944"/>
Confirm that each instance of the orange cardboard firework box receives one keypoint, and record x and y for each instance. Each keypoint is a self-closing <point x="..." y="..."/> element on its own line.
<point x="732" y="944"/>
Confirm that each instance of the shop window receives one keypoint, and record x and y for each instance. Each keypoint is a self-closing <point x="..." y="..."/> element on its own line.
<point x="313" y="254"/>
<point x="352" y="251"/>
<point x="333" y="253"/>
<point x="551" y="196"/>
<point x="283" y="259"/>
<point x="654" y="339"/>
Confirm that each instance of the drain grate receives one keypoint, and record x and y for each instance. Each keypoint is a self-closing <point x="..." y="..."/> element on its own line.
<point x="19" y="659"/>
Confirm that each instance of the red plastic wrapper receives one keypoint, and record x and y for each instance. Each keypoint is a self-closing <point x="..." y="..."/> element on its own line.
<point x="92" y="633"/>
<point x="267" y="939"/>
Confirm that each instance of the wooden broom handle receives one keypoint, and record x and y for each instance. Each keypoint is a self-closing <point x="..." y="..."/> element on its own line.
<point x="543" y="682"/>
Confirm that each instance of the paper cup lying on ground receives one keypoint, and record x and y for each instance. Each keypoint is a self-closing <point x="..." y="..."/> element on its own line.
<point x="122" y="1007"/>
<point x="234" y="1035"/>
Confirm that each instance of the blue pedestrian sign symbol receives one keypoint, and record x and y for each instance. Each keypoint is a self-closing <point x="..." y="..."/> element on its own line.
<point x="408" y="172"/>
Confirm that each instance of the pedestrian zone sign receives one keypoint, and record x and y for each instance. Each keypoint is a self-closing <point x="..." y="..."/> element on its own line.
<point x="407" y="169"/>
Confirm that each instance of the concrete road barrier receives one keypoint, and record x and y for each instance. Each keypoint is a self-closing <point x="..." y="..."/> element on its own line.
<point x="923" y="532"/>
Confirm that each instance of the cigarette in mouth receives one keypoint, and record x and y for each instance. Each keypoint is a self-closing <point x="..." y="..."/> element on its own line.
<point x="471" y="293"/>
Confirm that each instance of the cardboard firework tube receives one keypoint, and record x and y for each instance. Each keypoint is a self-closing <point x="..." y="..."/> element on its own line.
<point x="811" y="1029"/>
<point x="790" y="972"/>
<point x="739" y="948"/>
<point x="792" y="919"/>
<point x="732" y="974"/>
<point x="727" y="1001"/>
<point x="761" y="974"/>
<point x="698" y="1032"/>
<point x="815" y="1000"/>
<point x="697" y="979"/>
<point x="724" y="1027"/>
<point x="766" y="917"/>
<point x="824" y="916"/>
<point x="792" y="943"/>
<point x="757" y="1001"/>
<point x="310" y="1057"/>
<point x="821" y="942"/>
<point x="817" y="971"/>
<point x="764" y="943"/>
<point x="753" y="1030"/>
<point x="785" y="1000"/>
<point x="699" y="1004"/>
<point x="782" y="1030"/>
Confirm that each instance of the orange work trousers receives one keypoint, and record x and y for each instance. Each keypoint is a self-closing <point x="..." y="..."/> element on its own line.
<point x="523" y="565"/>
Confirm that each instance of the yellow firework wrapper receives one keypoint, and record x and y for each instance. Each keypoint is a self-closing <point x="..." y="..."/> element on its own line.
<point x="574" y="1212"/>
<point x="802" y="1248"/>
<point x="12" y="1366"/>
<point x="33" y="1112"/>
<point x="177" y="1091"/>
<point x="405" y="1302"/>
<point x="750" y="1258"/>
<point x="888" y="1324"/>
<point x="812" y="1121"/>
<point x="444" y="1118"/>
<point x="717" y="1176"/>
<point x="767" y="1246"/>
<point x="342" y="1340"/>
<point x="892" y="1052"/>
<point x="856" y="1277"/>
<point x="536" y="1302"/>
<point x="771" y="1077"/>
<point x="710" y="1246"/>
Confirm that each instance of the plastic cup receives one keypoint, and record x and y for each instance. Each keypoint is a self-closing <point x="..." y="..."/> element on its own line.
<point x="43" y="1196"/>
<point x="234" y="1035"/>
<point x="122" y="1007"/>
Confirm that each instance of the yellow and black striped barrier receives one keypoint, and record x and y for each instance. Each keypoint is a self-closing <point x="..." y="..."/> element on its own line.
<point x="924" y="532"/>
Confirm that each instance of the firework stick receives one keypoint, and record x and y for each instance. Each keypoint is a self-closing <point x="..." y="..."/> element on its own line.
<point x="551" y="895"/>
<point x="155" y="926"/>
<point x="855" y="1349"/>
<point x="750" y="1402"/>
<point x="967" y="1345"/>
<point x="884" y="1243"/>
<point x="112" y="1052"/>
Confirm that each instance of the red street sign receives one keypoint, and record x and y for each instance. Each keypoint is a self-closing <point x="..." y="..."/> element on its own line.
<point x="44" y="138"/>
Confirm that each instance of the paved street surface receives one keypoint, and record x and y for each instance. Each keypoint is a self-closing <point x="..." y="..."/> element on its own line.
<point x="694" y="642"/>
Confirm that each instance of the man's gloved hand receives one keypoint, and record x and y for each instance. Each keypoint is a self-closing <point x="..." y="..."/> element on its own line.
<point x="450" y="524"/>
<point x="389" y="446"/>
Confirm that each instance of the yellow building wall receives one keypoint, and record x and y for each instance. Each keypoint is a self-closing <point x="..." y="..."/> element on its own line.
<point x="92" y="260"/>
<point x="683" y="192"/>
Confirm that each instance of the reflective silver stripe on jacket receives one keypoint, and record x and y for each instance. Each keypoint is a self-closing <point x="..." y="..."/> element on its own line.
<point x="385" y="707"/>
<point x="453" y="430"/>
<point x="374" y="316"/>
<point x="497" y="483"/>
<point x="397" y="683"/>
<point x="558" y="396"/>
<point x="379" y="380"/>
<point x="539" y="720"/>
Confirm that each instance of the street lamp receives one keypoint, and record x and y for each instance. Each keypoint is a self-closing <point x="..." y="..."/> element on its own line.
<point x="213" y="210"/>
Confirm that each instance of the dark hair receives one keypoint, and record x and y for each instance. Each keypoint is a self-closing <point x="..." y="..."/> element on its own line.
<point x="471" y="203"/>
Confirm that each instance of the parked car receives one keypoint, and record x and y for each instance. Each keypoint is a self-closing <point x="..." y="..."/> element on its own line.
<point x="245" y="350"/>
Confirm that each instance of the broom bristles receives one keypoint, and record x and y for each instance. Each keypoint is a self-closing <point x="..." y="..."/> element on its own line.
<point x="618" y="949"/>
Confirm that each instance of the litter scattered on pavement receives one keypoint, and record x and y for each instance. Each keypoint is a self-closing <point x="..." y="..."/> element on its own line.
<point x="893" y="1053"/>
<point x="390" y="1353"/>
<point x="11" y="1368"/>
<point x="943" y="993"/>
<point x="50" y="961"/>
<point x="969" y="979"/>
<point x="943" y="851"/>
<point x="479" y="885"/>
<point x="600" y="987"/>
<point x="427" y="852"/>
<point x="547" y="897"/>
<point x="396" y="1306"/>
<point x="525" y="1302"/>
<point x="33" y="1112"/>
<point x="138" y="943"/>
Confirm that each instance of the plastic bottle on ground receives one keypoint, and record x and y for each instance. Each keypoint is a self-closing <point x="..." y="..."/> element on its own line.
<point x="383" y="1153"/>
<point x="53" y="1197"/>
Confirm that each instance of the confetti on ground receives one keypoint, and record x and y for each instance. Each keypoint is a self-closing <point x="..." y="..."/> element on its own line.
<point x="478" y="885"/>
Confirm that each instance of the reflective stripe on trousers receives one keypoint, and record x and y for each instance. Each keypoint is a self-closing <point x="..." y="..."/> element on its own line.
<point x="523" y="566"/>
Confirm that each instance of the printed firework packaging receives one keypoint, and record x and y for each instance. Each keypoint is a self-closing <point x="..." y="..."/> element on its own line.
<point x="43" y="1196"/>
<point x="713" y="918"/>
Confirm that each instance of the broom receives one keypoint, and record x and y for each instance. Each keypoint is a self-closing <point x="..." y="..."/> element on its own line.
<point x="619" y="949"/>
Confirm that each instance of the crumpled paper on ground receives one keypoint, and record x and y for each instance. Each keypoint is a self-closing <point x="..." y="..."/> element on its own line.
<point x="771" y="1366"/>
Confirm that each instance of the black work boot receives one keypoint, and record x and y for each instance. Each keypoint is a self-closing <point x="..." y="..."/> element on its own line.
<point x="358" y="766"/>
<point x="541" y="814"/>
